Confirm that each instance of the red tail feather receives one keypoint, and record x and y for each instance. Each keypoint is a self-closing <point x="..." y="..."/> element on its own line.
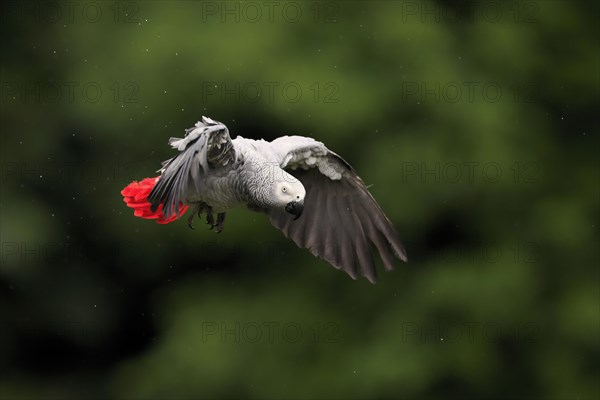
<point x="135" y="195"/>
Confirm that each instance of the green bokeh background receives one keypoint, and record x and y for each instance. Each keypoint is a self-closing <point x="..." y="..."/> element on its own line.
<point x="495" y="195"/>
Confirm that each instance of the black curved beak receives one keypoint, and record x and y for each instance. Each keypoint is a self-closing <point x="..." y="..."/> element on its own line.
<point x="295" y="208"/>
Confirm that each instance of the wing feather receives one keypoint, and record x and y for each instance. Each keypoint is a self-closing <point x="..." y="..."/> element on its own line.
<point x="320" y="216"/>
<point x="347" y="235"/>
<point x="363" y="247"/>
<point x="342" y="223"/>
<point x="206" y="146"/>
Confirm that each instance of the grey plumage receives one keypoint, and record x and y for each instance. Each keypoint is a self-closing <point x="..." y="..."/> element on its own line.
<point x="206" y="145"/>
<point x="342" y="222"/>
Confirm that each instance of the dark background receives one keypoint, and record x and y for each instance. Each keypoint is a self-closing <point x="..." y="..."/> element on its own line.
<point x="476" y="125"/>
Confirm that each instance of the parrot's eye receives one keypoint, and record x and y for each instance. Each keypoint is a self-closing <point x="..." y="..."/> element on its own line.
<point x="284" y="189"/>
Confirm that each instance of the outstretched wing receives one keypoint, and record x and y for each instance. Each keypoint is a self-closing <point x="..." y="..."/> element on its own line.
<point x="205" y="146"/>
<point x="342" y="223"/>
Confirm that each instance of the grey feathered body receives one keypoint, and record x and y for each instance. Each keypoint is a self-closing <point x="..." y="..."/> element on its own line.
<point x="343" y="224"/>
<point x="221" y="192"/>
<point x="244" y="182"/>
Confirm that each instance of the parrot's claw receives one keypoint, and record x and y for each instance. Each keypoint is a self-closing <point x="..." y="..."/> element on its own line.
<point x="191" y="217"/>
<point x="210" y="220"/>
<point x="198" y="208"/>
<point x="209" y="217"/>
<point x="220" y="222"/>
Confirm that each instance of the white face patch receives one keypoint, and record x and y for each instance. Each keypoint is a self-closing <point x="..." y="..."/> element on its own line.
<point x="289" y="191"/>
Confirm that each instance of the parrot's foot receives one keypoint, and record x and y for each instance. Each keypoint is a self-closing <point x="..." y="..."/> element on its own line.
<point x="198" y="209"/>
<point x="191" y="219"/>
<point x="220" y="222"/>
<point x="210" y="220"/>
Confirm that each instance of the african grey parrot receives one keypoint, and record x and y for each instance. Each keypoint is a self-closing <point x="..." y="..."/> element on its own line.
<point x="213" y="173"/>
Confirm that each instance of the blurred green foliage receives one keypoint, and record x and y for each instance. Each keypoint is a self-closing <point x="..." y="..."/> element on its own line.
<point x="475" y="123"/>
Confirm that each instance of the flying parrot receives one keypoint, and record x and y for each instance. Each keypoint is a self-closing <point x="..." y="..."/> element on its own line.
<point x="307" y="191"/>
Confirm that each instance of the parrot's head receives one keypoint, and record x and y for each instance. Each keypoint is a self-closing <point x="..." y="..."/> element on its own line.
<point x="289" y="194"/>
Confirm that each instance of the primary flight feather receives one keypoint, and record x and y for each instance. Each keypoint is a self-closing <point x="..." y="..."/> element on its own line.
<point x="308" y="192"/>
